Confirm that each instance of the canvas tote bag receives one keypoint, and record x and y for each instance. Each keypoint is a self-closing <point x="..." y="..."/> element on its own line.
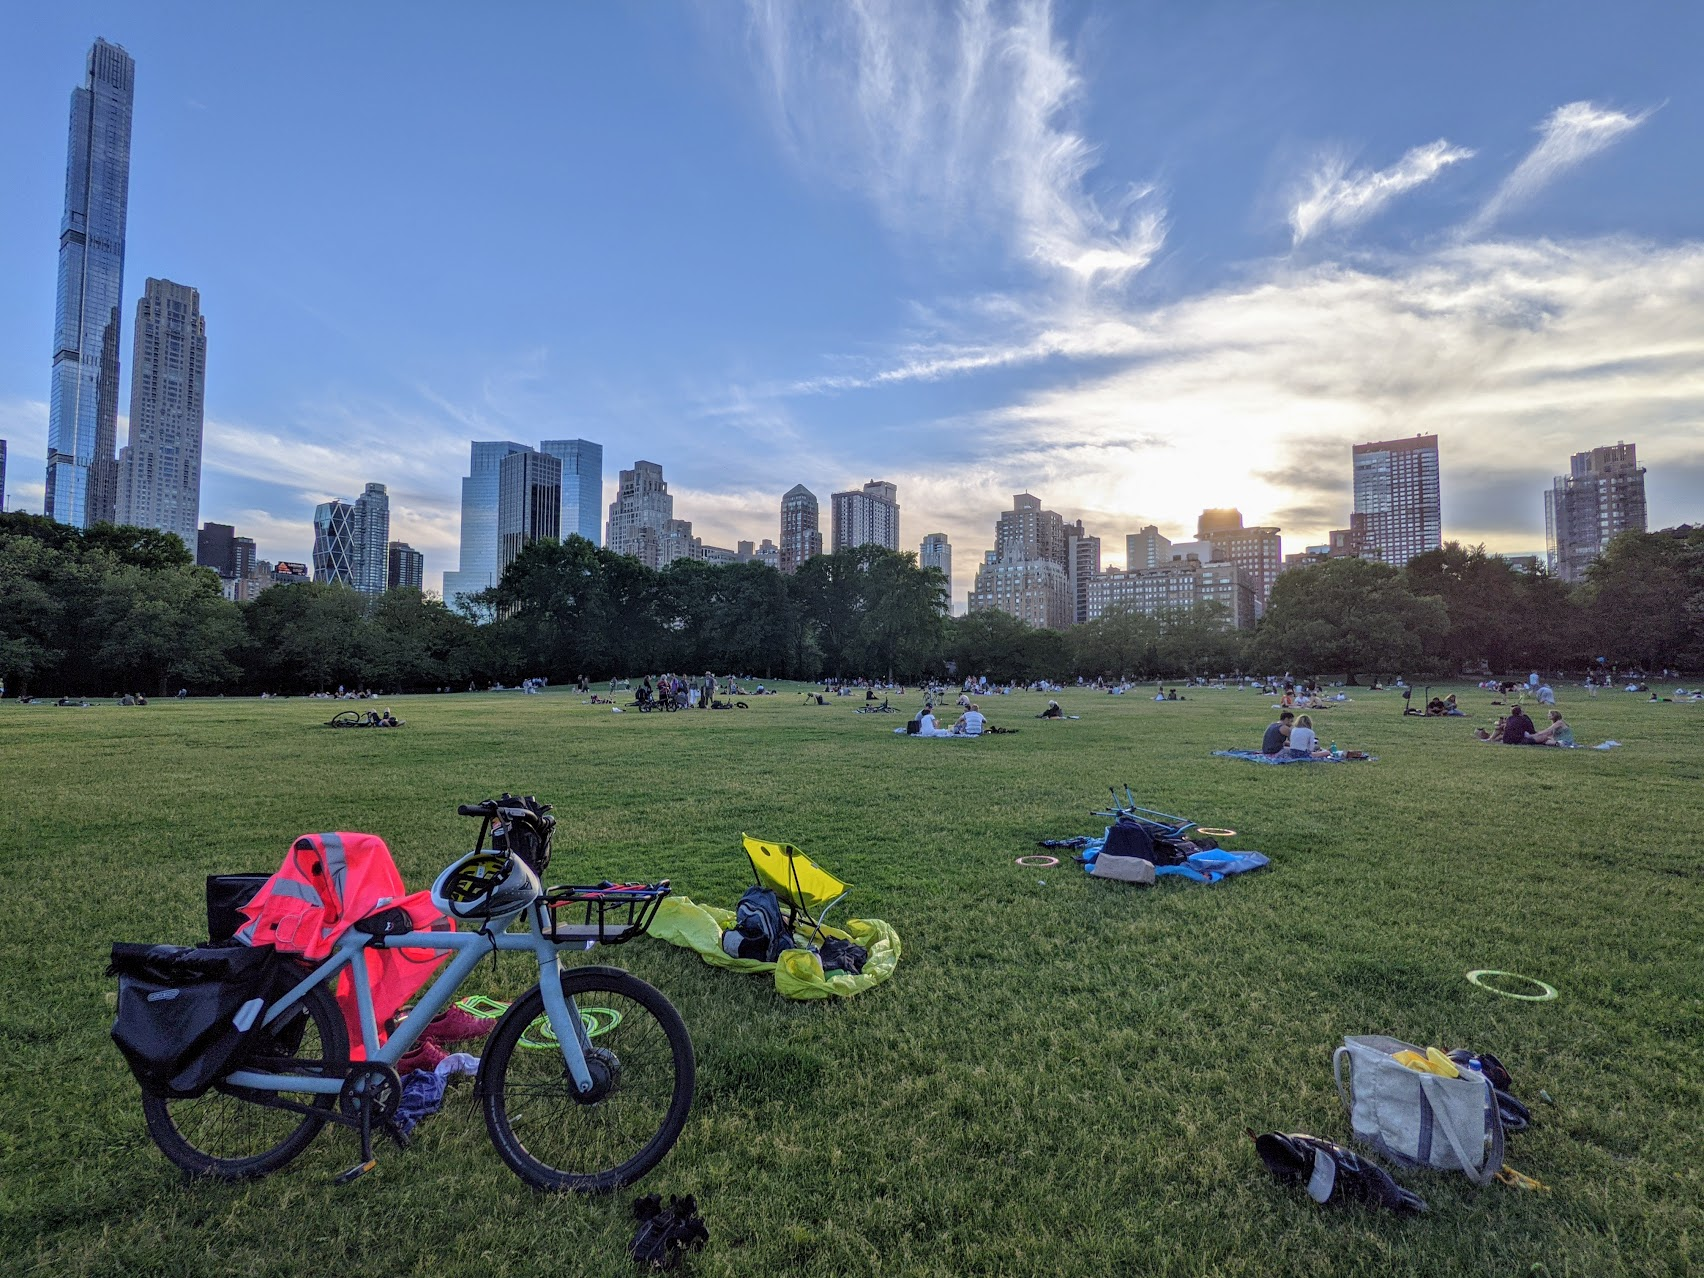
<point x="1421" y="1119"/>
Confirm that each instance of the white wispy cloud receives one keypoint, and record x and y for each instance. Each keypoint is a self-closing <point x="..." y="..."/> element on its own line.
<point x="1570" y="135"/>
<point x="1336" y="198"/>
<point x="950" y="117"/>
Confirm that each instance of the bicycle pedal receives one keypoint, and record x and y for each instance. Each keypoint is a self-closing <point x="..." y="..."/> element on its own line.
<point x="355" y="1173"/>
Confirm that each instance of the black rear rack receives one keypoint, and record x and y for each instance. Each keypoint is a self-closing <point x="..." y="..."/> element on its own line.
<point x="608" y="914"/>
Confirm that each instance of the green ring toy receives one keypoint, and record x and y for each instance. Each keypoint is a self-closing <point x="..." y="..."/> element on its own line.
<point x="1215" y="834"/>
<point x="1474" y="978"/>
<point x="597" y="1020"/>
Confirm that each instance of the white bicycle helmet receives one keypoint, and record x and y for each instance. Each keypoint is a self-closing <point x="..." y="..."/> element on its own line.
<point x="483" y="885"/>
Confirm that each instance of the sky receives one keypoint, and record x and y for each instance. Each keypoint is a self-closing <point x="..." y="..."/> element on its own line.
<point x="1137" y="259"/>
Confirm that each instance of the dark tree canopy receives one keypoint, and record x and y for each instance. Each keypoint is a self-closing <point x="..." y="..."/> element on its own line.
<point x="125" y="609"/>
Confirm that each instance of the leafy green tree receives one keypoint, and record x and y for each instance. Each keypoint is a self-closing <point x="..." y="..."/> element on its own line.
<point x="1121" y="643"/>
<point x="1644" y="599"/>
<point x="1352" y="615"/>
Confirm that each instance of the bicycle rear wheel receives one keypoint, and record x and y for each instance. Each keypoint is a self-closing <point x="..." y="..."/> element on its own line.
<point x="643" y="1074"/>
<point x="231" y="1134"/>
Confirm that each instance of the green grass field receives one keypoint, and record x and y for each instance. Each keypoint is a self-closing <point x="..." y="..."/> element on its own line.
<point x="1057" y="1078"/>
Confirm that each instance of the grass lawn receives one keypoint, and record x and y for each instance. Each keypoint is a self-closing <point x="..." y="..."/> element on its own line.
<point x="1057" y="1078"/>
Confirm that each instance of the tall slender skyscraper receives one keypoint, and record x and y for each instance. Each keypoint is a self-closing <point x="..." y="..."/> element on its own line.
<point x="801" y="534"/>
<point x="2" y="474"/>
<point x="159" y="471"/>
<point x="82" y="418"/>
<point x="478" y="563"/>
<point x="937" y="552"/>
<point x="1601" y="497"/>
<point x="582" y="485"/>
<point x="1396" y="489"/>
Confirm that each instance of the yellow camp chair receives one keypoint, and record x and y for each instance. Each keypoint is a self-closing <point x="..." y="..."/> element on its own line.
<point x="805" y="890"/>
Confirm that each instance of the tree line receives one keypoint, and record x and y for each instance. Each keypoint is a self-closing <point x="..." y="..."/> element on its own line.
<point x="116" y="609"/>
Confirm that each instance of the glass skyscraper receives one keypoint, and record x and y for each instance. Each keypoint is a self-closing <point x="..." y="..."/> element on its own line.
<point x="352" y="541"/>
<point x="582" y="485"/>
<point x="82" y="429"/>
<point x="478" y="561"/>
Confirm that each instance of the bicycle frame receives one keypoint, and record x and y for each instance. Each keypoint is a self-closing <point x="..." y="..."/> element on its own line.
<point x="469" y="948"/>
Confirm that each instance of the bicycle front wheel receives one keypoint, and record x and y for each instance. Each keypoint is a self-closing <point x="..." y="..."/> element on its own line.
<point x="232" y="1134"/>
<point x="640" y="1056"/>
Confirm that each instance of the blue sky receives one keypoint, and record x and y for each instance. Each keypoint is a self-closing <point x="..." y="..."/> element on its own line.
<point x="1137" y="259"/>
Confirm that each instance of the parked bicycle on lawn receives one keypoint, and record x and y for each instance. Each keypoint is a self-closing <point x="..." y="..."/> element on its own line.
<point x="585" y="1081"/>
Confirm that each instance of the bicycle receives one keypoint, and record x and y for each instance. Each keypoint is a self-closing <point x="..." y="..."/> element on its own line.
<point x="595" y="1114"/>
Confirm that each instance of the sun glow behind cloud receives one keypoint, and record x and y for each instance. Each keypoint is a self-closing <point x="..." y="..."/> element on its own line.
<point x="1251" y="394"/>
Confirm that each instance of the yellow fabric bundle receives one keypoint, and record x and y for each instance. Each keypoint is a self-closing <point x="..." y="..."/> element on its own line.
<point x="799" y="975"/>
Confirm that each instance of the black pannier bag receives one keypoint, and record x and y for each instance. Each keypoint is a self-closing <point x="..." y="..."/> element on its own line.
<point x="187" y="1013"/>
<point x="226" y="896"/>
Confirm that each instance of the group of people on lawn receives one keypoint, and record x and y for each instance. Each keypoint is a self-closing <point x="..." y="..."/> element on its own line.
<point x="1515" y="728"/>
<point x="1292" y="738"/>
<point x="970" y="723"/>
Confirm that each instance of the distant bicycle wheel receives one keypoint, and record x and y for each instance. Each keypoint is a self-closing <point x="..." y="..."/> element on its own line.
<point x="643" y="1074"/>
<point x="230" y="1133"/>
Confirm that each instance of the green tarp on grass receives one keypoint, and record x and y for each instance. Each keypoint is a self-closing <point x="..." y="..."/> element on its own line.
<point x="799" y="975"/>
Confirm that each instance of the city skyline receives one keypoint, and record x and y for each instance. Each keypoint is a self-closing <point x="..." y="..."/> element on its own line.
<point x="1163" y="316"/>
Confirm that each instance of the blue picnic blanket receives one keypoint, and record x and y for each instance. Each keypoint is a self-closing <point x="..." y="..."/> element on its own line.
<point x="1200" y="867"/>
<point x="1255" y="756"/>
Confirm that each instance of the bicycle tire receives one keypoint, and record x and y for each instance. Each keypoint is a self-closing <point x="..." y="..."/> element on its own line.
<point x="554" y="1140"/>
<point x="187" y="1130"/>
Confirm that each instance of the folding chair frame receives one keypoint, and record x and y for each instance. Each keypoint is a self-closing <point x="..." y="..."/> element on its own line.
<point x="794" y="908"/>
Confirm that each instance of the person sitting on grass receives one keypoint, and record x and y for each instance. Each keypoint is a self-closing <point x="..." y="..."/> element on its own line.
<point x="1435" y="707"/>
<point x="1517" y="727"/>
<point x="1558" y="733"/>
<point x="1052" y="712"/>
<point x="1451" y="708"/>
<point x="1302" y="743"/>
<point x="970" y="723"/>
<point x="1277" y="734"/>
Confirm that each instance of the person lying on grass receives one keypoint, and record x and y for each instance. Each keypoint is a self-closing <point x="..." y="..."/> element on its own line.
<point x="1052" y="712"/>
<point x="1277" y="734"/>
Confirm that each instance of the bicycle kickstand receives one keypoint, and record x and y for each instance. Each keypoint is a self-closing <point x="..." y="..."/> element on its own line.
<point x="368" y="1162"/>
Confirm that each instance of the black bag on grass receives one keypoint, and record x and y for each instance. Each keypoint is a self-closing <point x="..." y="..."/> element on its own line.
<point x="187" y="1013"/>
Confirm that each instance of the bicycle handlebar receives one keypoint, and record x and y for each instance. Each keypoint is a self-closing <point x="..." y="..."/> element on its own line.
<point x="488" y="808"/>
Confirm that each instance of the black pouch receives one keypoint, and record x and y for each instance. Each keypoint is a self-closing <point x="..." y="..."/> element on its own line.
<point x="186" y="1013"/>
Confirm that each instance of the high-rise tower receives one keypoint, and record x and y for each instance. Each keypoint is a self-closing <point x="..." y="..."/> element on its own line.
<point x="582" y="486"/>
<point x="82" y="415"/>
<point x="869" y="517"/>
<point x="1602" y="496"/>
<point x="159" y="471"/>
<point x="801" y="535"/>
<point x="529" y="502"/>
<point x="641" y="515"/>
<point x="352" y="539"/>
<point x="1396" y="489"/>
<point x="478" y="562"/>
<point x="937" y="552"/>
